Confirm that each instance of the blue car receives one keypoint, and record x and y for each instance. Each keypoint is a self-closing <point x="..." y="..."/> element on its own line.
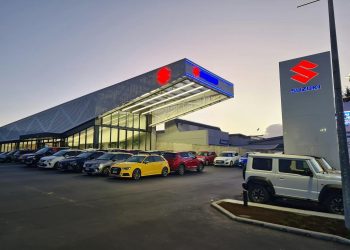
<point x="242" y="162"/>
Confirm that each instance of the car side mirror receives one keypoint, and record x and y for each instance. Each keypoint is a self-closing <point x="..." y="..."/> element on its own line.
<point x="146" y="162"/>
<point x="236" y="154"/>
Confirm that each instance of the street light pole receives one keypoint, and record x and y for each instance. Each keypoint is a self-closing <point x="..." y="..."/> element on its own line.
<point x="339" y="110"/>
<point x="342" y="140"/>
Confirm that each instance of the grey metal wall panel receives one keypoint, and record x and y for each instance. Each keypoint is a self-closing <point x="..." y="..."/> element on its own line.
<point x="308" y="111"/>
<point x="78" y="111"/>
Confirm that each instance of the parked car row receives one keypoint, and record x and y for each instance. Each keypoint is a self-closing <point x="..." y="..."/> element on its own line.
<point x="14" y="155"/>
<point x="116" y="163"/>
<point x="29" y="157"/>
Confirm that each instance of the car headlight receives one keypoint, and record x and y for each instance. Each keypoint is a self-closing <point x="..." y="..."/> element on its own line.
<point x="127" y="168"/>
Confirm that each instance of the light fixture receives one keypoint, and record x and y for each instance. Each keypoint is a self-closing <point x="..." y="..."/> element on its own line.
<point x="168" y="99"/>
<point x="166" y="93"/>
<point x="181" y="100"/>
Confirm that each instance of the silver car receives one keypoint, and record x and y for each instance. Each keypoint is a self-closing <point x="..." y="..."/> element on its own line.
<point x="102" y="165"/>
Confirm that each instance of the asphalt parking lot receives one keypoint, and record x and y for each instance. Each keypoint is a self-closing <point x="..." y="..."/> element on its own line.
<point x="47" y="209"/>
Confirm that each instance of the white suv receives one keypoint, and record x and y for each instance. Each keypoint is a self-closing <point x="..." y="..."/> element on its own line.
<point x="294" y="176"/>
<point x="227" y="158"/>
<point x="52" y="160"/>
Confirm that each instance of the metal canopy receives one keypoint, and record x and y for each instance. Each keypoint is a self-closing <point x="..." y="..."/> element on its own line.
<point x="180" y="97"/>
<point x="164" y="93"/>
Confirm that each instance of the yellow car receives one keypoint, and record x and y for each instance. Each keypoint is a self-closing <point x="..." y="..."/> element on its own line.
<point x="141" y="165"/>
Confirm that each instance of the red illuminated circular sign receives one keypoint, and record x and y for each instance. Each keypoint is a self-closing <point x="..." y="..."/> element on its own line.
<point x="196" y="71"/>
<point x="163" y="75"/>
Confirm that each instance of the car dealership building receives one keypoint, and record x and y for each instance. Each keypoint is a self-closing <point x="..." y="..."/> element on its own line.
<point x="123" y="115"/>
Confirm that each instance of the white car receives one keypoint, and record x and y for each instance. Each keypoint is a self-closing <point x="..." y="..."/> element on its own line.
<point x="227" y="158"/>
<point x="293" y="176"/>
<point x="52" y="160"/>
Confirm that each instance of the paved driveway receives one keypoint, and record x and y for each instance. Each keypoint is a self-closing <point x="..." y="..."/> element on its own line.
<point x="44" y="209"/>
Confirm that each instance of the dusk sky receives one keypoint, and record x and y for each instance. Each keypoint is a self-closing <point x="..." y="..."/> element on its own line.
<point x="55" y="51"/>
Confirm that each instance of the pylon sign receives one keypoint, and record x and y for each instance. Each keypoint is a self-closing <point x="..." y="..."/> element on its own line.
<point x="308" y="109"/>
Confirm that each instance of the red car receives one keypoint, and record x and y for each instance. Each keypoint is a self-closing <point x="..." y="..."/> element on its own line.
<point x="207" y="157"/>
<point x="182" y="161"/>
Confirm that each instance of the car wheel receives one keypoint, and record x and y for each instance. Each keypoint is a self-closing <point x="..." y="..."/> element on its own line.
<point x="136" y="175"/>
<point x="258" y="194"/>
<point x="165" y="172"/>
<point x="334" y="203"/>
<point x="105" y="171"/>
<point x="200" y="168"/>
<point x="231" y="164"/>
<point x="181" y="170"/>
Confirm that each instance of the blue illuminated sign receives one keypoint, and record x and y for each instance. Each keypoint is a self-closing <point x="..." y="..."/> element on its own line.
<point x="207" y="78"/>
<point x="305" y="89"/>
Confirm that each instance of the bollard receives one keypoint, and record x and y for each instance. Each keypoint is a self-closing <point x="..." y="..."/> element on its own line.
<point x="245" y="198"/>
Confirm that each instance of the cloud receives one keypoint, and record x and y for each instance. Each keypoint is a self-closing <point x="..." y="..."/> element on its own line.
<point x="273" y="130"/>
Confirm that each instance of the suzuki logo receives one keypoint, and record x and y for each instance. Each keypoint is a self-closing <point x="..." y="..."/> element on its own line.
<point x="303" y="71"/>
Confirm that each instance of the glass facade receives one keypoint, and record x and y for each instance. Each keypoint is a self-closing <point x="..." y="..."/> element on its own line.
<point x="124" y="131"/>
<point x="120" y="130"/>
<point x="33" y="144"/>
<point x="81" y="140"/>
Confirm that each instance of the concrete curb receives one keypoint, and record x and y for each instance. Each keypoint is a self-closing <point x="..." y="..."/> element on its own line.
<point x="317" y="235"/>
<point x="287" y="209"/>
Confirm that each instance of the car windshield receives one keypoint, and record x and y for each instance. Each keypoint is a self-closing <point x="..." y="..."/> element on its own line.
<point x="203" y="153"/>
<point x="84" y="154"/>
<point x="106" y="156"/>
<point x="42" y="151"/>
<point x="324" y="164"/>
<point x="318" y="167"/>
<point x="60" y="153"/>
<point x="226" y="154"/>
<point x="136" y="158"/>
<point x="119" y="157"/>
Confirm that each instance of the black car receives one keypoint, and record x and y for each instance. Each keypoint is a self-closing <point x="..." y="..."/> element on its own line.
<point x="7" y="157"/>
<point x="18" y="155"/>
<point x="33" y="159"/>
<point x="76" y="163"/>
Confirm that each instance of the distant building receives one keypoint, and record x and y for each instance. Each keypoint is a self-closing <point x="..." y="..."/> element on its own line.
<point x="257" y="143"/>
<point x="266" y="145"/>
<point x="240" y="139"/>
<point x="187" y="132"/>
